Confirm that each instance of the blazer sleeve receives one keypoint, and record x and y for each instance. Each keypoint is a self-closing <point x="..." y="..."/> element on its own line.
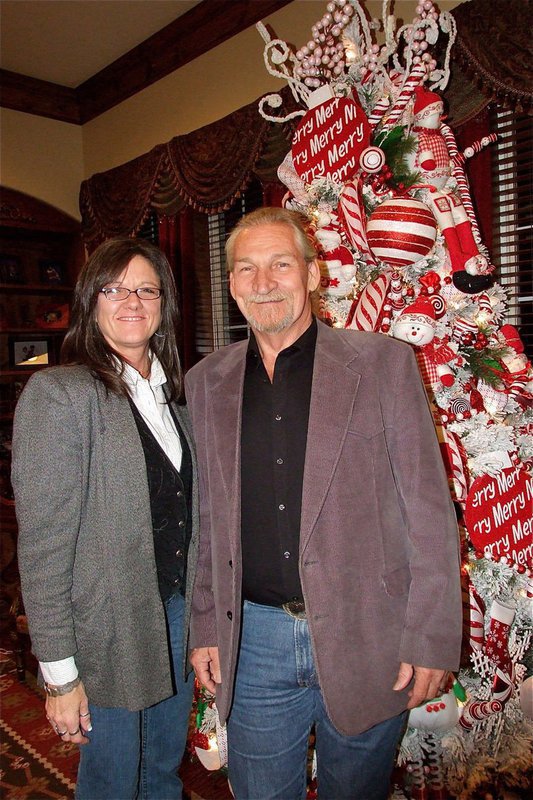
<point x="48" y="485"/>
<point x="203" y="615"/>
<point x="432" y="633"/>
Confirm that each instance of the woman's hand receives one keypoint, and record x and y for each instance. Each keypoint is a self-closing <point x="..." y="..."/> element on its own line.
<point x="69" y="715"/>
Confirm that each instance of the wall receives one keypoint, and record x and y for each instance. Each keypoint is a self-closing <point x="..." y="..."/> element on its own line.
<point x="43" y="158"/>
<point x="213" y="85"/>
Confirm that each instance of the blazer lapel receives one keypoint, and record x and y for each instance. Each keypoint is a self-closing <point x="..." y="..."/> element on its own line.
<point x="333" y="395"/>
<point x="224" y="409"/>
<point x="124" y="464"/>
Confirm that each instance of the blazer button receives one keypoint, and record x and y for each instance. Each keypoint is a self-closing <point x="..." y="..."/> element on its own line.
<point x="181" y="524"/>
<point x="230" y="615"/>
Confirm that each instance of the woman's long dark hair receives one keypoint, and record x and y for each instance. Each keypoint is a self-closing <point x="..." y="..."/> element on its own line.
<point x="84" y="343"/>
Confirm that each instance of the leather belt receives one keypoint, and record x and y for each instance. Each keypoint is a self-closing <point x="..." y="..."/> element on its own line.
<point x="295" y="608"/>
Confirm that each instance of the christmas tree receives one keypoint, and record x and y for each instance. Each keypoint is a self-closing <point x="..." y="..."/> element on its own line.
<point x="381" y="179"/>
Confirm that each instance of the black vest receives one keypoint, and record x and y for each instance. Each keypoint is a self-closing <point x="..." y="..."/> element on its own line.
<point x="170" y="503"/>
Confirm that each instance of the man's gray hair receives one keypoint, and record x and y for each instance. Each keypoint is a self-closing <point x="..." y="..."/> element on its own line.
<point x="273" y="216"/>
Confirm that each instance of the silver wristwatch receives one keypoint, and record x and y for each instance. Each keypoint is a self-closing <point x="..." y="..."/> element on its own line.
<point x="65" y="688"/>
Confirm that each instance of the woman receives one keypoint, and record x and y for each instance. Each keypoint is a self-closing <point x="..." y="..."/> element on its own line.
<point x="106" y="501"/>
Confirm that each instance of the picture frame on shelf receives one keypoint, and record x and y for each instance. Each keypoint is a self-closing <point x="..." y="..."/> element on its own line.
<point x="11" y="269"/>
<point x="29" y="352"/>
<point x="51" y="271"/>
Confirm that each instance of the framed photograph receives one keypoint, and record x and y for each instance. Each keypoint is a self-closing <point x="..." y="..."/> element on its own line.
<point x="51" y="271"/>
<point x="29" y="352"/>
<point x="10" y="269"/>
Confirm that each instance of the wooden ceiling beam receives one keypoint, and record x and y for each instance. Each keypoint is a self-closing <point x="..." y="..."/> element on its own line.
<point x="43" y="98"/>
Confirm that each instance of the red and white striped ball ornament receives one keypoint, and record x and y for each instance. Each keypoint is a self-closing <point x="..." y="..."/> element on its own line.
<point x="401" y="231"/>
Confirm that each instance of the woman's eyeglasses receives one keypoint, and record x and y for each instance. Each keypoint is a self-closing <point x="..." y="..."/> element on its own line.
<point x="121" y="293"/>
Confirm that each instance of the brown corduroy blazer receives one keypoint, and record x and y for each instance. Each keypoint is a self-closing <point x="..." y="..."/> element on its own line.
<point x="379" y="554"/>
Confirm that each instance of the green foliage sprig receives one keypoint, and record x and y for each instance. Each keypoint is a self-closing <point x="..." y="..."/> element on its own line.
<point x="397" y="147"/>
<point x="485" y="364"/>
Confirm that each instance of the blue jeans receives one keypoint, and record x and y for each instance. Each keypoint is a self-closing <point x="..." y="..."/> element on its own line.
<point x="277" y="701"/>
<point x="136" y="754"/>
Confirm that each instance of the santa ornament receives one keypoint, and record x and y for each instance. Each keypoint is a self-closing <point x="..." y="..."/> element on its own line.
<point x="515" y="371"/>
<point x="337" y="268"/>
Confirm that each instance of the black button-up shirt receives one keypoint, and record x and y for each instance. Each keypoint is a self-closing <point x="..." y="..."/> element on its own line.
<point x="274" y="436"/>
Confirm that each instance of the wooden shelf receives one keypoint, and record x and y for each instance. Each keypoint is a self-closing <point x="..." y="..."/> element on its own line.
<point x="22" y="372"/>
<point x="35" y="331"/>
<point x="38" y="243"/>
<point x="35" y="288"/>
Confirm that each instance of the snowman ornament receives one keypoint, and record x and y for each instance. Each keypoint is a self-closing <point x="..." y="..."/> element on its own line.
<point x="416" y="325"/>
<point x="432" y="160"/>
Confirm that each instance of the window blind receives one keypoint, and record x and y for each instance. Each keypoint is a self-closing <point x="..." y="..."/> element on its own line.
<point x="512" y="252"/>
<point x="150" y="229"/>
<point x="228" y="324"/>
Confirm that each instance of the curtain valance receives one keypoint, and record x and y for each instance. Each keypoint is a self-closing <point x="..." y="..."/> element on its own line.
<point x="206" y="169"/>
<point x="491" y="58"/>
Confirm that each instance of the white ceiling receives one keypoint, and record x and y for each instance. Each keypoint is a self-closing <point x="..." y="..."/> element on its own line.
<point x="69" y="41"/>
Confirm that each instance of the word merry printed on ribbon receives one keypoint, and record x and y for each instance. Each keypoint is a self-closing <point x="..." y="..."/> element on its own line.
<point x="329" y="141"/>
<point x="499" y="515"/>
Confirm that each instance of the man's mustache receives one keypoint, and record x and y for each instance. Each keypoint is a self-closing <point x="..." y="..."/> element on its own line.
<point x="266" y="298"/>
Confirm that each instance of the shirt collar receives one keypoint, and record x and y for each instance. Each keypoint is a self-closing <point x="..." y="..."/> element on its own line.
<point x="306" y="343"/>
<point x="157" y="376"/>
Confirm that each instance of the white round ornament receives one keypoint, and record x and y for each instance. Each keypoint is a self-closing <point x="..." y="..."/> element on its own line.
<point x="440" y="714"/>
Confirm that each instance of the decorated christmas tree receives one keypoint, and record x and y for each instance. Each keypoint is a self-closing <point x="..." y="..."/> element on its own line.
<point x="381" y="179"/>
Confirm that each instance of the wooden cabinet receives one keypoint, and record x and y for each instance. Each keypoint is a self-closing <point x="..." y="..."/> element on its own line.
<point x="40" y="255"/>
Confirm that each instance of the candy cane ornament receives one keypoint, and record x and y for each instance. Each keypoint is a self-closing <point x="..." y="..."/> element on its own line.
<point x="384" y="103"/>
<point x="478" y="710"/>
<point x="477" y="619"/>
<point x="474" y="148"/>
<point x="352" y="216"/>
<point x="367" y="311"/>
<point x="414" y="78"/>
<point x="484" y="305"/>
<point x="460" y="177"/>
<point x="457" y="464"/>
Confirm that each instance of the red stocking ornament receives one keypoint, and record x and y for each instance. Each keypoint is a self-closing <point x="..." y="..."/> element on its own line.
<point x="496" y="648"/>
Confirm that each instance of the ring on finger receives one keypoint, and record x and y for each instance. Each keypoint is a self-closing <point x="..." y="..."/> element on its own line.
<point x="61" y="733"/>
<point x="73" y="733"/>
<point x="88" y="714"/>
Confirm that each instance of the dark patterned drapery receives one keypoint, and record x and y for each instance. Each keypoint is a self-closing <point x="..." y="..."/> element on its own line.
<point x="491" y="58"/>
<point x="206" y="170"/>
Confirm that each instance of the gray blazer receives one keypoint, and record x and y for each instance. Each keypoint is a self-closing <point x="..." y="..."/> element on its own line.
<point x="379" y="555"/>
<point x="86" y="550"/>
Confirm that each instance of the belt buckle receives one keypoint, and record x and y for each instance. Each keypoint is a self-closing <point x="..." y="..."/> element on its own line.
<point x="295" y="608"/>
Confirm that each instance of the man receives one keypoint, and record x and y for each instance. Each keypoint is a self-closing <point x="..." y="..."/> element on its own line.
<point x="327" y="590"/>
